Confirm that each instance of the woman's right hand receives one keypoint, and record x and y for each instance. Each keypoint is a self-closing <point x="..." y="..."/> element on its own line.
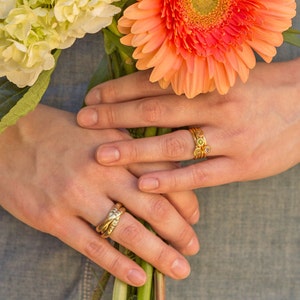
<point x="51" y="181"/>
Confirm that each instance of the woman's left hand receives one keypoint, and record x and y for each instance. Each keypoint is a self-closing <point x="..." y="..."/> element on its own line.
<point x="253" y="131"/>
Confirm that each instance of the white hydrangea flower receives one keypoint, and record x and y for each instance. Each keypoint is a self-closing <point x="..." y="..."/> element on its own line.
<point x="26" y="45"/>
<point x="5" y="7"/>
<point x="78" y="17"/>
<point x="31" y="29"/>
<point x="22" y="65"/>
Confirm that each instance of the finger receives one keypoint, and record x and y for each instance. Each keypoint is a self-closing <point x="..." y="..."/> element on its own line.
<point x="133" y="86"/>
<point x="80" y="236"/>
<point x="185" y="202"/>
<point x="175" y="146"/>
<point x="164" y="111"/>
<point x="212" y="172"/>
<point x="162" y="216"/>
<point x="134" y="236"/>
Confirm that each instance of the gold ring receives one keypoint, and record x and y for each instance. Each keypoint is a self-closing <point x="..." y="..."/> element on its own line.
<point x="106" y="228"/>
<point x="201" y="147"/>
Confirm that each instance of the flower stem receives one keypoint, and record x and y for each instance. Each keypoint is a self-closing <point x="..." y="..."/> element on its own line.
<point x="159" y="285"/>
<point x="161" y="131"/>
<point x="120" y="290"/>
<point x="144" y="292"/>
<point x="101" y="286"/>
<point x="150" y="131"/>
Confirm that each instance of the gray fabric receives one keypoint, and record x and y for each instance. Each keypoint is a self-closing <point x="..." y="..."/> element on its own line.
<point x="250" y="242"/>
<point x="249" y="232"/>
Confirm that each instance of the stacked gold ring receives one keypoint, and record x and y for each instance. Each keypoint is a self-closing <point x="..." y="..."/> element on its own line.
<point x="106" y="228"/>
<point x="201" y="148"/>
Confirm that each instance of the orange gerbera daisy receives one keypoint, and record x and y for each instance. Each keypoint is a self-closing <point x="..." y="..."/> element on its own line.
<point x="200" y="45"/>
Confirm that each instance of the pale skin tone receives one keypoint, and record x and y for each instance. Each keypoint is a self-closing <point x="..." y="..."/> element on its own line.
<point x="253" y="131"/>
<point x="51" y="181"/>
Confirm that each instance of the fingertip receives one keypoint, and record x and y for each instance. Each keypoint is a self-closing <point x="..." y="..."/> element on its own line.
<point x="93" y="97"/>
<point x="136" y="277"/>
<point x="180" y="268"/>
<point x="107" y="154"/>
<point x="195" y="217"/>
<point x="87" y="117"/>
<point x="148" y="184"/>
<point x="193" y="246"/>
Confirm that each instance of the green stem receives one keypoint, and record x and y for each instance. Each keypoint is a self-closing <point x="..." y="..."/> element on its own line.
<point x="144" y="292"/>
<point x="113" y="27"/>
<point x="128" y="63"/>
<point x="98" y="293"/>
<point x="120" y="290"/>
<point x="150" y="131"/>
<point x="162" y="131"/>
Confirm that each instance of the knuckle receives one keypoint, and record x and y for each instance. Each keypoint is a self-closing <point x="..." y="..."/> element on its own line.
<point x="108" y="114"/>
<point x="161" y="254"/>
<point x="94" y="249"/>
<point x="114" y="264"/>
<point x="48" y="220"/>
<point x="173" y="146"/>
<point x="108" y="91"/>
<point x="199" y="175"/>
<point x="184" y="235"/>
<point x="151" y="110"/>
<point x="131" y="233"/>
<point x="159" y="209"/>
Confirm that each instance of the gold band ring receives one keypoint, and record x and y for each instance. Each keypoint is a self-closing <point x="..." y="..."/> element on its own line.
<point x="106" y="228"/>
<point x="201" y="147"/>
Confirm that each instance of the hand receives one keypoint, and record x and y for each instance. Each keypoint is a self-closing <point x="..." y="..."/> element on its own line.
<point x="253" y="131"/>
<point x="51" y="181"/>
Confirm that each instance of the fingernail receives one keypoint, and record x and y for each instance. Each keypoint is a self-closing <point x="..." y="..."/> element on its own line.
<point x="136" y="277"/>
<point x="88" y="117"/>
<point x="108" y="154"/>
<point x="148" y="184"/>
<point x="193" y="245"/>
<point x="195" y="217"/>
<point x="180" y="268"/>
<point x="93" y="97"/>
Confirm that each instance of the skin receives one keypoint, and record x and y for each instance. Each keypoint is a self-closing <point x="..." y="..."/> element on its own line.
<point x="51" y="181"/>
<point x="253" y="130"/>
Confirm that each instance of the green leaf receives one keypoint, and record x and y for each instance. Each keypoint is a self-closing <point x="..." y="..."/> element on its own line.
<point x="114" y="39"/>
<point x="25" y="100"/>
<point x="103" y="72"/>
<point x="292" y="36"/>
<point x="10" y="94"/>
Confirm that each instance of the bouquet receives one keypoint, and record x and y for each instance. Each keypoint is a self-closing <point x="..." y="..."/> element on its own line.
<point x="194" y="46"/>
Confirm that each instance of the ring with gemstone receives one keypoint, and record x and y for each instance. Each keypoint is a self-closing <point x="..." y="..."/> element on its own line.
<point x="201" y="148"/>
<point x="106" y="227"/>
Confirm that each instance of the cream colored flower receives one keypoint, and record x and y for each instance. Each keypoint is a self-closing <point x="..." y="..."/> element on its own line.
<point x="33" y="28"/>
<point x="26" y="45"/>
<point x="31" y="62"/>
<point x="5" y="7"/>
<point x="78" y="17"/>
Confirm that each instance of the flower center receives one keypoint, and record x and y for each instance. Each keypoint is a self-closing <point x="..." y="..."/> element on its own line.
<point x="204" y="7"/>
<point x="205" y="14"/>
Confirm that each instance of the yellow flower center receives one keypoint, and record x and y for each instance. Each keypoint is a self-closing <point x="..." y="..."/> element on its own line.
<point x="204" y="7"/>
<point x="205" y="13"/>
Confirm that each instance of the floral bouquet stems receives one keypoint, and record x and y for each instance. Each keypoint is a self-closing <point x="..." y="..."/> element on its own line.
<point x="118" y="62"/>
